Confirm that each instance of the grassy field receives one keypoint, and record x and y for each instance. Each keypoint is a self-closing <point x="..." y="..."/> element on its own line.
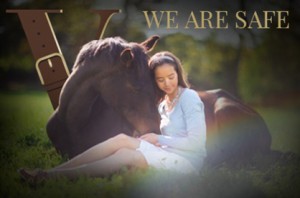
<point x="24" y="143"/>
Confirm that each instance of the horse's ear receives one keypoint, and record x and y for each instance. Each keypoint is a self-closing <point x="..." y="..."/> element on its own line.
<point x="127" y="57"/>
<point x="150" y="43"/>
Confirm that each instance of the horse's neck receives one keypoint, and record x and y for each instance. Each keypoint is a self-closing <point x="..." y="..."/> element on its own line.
<point x="77" y="97"/>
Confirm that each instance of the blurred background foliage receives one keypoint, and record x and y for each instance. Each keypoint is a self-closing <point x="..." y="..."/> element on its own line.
<point x="261" y="67"/>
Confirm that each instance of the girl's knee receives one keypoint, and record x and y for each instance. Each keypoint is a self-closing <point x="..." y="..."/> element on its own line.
<point x="120" y="139"/>
<point x="120" y="136"/>
<point x="127" y="141"/>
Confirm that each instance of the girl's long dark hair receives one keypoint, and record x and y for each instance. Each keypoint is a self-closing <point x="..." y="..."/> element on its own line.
<point x="164" y="57"/>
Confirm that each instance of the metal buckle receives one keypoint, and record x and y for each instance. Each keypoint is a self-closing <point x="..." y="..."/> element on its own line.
<point x="48" y="57"/>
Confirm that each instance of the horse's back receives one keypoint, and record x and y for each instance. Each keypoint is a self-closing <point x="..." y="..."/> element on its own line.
<point x="234" y="130"/>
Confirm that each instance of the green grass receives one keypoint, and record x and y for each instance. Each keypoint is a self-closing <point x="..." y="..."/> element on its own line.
<point x="284" y="125"/>
<point x="24" y="143"/>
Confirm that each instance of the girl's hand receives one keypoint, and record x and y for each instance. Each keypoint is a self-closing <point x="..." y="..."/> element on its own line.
<point x="151" y="137"/>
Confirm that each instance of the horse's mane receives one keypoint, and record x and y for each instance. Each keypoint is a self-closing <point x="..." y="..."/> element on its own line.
<point x="94" y="48"/>
<point x="111" y="48"/>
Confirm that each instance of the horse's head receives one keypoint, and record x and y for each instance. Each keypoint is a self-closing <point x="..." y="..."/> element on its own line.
<point x="120" y="74"/>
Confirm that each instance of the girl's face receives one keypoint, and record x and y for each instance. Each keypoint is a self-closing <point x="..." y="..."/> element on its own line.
<point x="166" y="78"/>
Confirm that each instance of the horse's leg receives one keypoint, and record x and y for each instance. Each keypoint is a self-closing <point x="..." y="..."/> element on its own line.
<point x="102" y="150"/>
<point x="59" y="135"/>
<point x="122" y="158"/>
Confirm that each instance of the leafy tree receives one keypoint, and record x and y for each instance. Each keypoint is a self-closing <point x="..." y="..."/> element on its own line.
<point x="270" y="71"/>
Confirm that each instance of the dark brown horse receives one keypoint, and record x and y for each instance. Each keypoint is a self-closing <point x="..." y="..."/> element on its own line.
<point x="109" y="91"/>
